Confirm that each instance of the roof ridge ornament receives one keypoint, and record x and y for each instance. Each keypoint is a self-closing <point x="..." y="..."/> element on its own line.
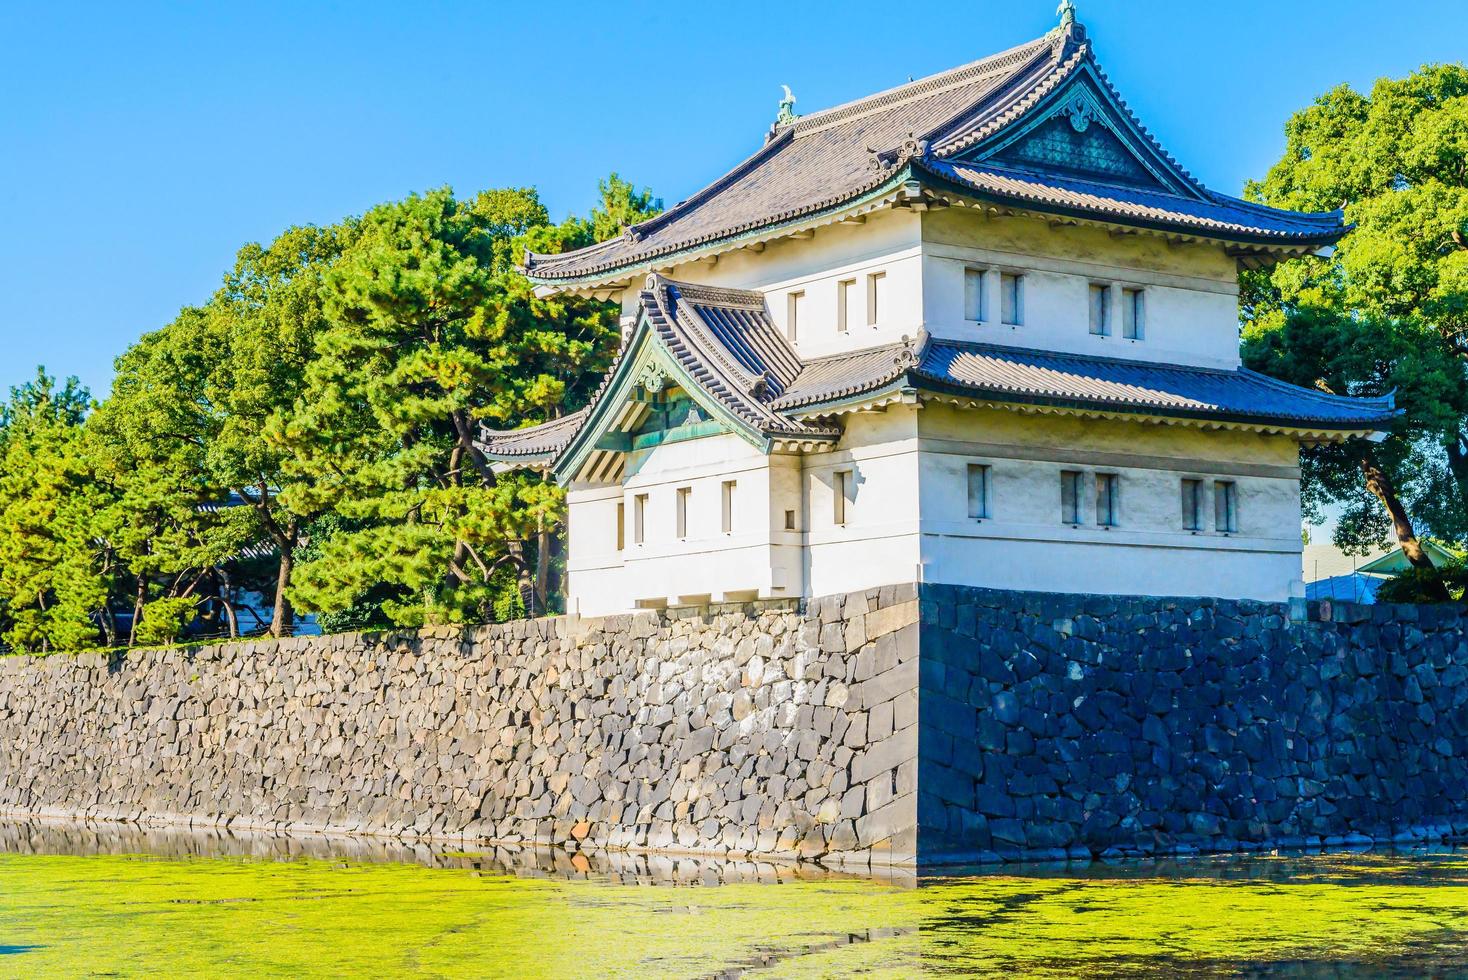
<point x="911" y="354"/>
<point x="1067" y="12"/>
<point x="787" y="108"/>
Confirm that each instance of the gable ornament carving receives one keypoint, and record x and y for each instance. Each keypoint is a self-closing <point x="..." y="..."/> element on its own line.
<point x="653" y="377"/>
<point x="1082" y="112"/>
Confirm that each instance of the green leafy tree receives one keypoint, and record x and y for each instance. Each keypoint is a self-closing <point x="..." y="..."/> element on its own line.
<point x="54" y="572"/>
<point x="147" y="442"/>
<point x="1388" y="310"/>
<point x="186" y="428"/>
<point x="264" y="324"/>
<point x="428" y="337"/>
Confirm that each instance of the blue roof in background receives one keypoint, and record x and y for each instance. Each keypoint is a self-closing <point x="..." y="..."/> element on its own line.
<point x="1345" y="588"/>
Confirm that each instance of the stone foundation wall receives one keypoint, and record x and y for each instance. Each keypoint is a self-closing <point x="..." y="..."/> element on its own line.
<point x="932" y="722"/>
<point x="1055" y="725"/>
<point x="755" y="729"/>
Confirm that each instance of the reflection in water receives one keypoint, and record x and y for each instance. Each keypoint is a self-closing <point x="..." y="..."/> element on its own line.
<point x="131" y="902"/>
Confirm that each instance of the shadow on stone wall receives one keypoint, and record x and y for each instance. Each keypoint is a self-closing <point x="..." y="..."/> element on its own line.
<point x="1058" y="725"/>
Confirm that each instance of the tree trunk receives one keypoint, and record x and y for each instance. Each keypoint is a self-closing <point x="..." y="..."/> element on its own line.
<point x="554" y="583"/>
<point x="1382" y="488"/>
<point x="542" y="571"/>
<point x="109" y="624"/>
<point x="283" y="619"/>
<point x="524" y="582"/>
<point x="139" y="599"/>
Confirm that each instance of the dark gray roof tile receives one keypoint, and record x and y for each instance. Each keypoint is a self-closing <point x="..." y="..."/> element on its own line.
<point x="1008" y="374"/>
<point x="532" y="443"/>
<point x="834" y="159"/>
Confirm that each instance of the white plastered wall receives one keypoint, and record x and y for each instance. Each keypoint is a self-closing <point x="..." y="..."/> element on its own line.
<point x="757" y="558"/>
<point x="1191" y="290"/>
<point x="878" y="544"/>
<point x="1024" y="544"/>
<point x="907" y="517"/>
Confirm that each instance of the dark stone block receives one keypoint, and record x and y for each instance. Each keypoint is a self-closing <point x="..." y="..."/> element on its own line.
<point x="1006" y="708"/>
<point x="995" y="800"/>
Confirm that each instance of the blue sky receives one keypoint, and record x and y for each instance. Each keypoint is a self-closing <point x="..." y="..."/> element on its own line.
<point x="142" y="144"/>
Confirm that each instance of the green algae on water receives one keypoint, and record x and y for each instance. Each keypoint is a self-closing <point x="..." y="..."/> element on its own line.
<point x="120" y="915"/>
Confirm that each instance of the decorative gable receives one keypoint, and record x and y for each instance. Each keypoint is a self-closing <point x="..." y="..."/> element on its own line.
<point x="1074" y="147"/>
<point x="1079" y="131"/>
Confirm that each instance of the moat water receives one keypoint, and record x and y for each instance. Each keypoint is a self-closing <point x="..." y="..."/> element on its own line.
<point x="98" y="901"/>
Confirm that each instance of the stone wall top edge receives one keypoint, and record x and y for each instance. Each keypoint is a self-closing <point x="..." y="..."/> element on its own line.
<point x="580" y="627"/>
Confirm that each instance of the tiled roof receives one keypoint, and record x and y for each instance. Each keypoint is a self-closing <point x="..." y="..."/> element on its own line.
<point x="1018" y="375"/>
<point x="535" y="443"/>
<point x="820" y="161"/>
<point x="835" y="159"/>
<point x="1218" y="214"/>
<point x="723" y="339"/>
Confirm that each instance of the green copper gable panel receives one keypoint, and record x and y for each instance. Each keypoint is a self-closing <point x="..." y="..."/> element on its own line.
<point x="1079" y="131"/>
<point x="1094" y="153"/>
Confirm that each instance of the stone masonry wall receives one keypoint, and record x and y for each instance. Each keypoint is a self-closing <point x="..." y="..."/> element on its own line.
<point x="931" y="723"/>
<point x="1055" y="725"/>
<point x="755" y="729"/>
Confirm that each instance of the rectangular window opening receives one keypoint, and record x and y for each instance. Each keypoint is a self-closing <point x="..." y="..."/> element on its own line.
<point x="683" y="494"/>
<point x="1225" y="507"/>
<point x="845" y="292"/>
<point x="1071" y="497"/>
<point x="978" y="491"/>
<point x="876" y="286"/>
<point x="790" y="520"/>
<point x="1100" y="310"/>
<point x="639" y="518"/>
<point x="728" y="507"/>
<point x="973" y="295"/>
<point x="1107" y="505"/>
<point x="1012" y="298"/>
<point x="1133" y="314"/>
<point x="1192" y="505"/>
<point x="840" y="489"/>
<point x="793" y="303"/>
<point x="621" y="525"/>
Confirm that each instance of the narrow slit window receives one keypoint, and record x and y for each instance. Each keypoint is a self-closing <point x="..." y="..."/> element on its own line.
<point x="683" y="495"/>
<point x="1071" y="497"/>
<point x="639" y="518"/>
<point x="790" y="520"/>
<point x="1012" y="298"/>
<point x="621" y="525"/>
<point x="793" y="303"/>
<point x="876" y="287"/>
<point x="845" y="293"/>
<point x="1133" y="314"/>
<point x="1225" y="507"/>
<point x="973" y="295"/>
<point x="978" y="491"/>
<point x="1192" y="505"/>
<point x="728" y="507"/>
<point x="1107" y="505"/>
<point x="840" y="489"/>
<point x="1100" y="310"/>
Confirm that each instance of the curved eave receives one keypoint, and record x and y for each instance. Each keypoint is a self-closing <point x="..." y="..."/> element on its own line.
<point x="925" y="387"/>
<point x="1284" y="242"/>
<point x="863" y="200"/>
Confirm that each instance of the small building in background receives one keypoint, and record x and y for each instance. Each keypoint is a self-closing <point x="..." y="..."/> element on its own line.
<point x="1330" y="573"/>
